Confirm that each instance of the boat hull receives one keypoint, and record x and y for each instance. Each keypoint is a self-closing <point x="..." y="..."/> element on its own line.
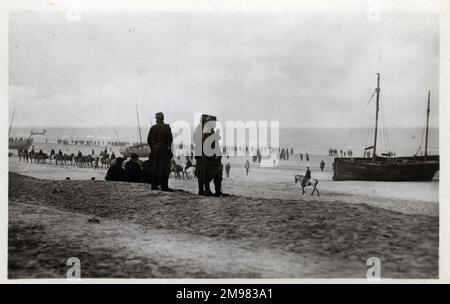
<point x="388" y="169"/>
<point x="142" y="150"/>
<point x="17" y="144"/>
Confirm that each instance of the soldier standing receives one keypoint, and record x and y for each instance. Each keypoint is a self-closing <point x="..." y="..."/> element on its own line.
<point x="160" y="141"/>
<point x="208" y="157"/>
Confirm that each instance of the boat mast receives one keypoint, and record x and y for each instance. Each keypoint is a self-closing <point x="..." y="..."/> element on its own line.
<point x="139" y="125"/>
<point x="117" y="135"/>
<point x="428" y="120"/>
<point x="376" y="118"/>
<point x="10" y="125"/>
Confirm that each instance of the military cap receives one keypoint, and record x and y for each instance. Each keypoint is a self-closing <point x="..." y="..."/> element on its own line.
<point x="207" y="117"/>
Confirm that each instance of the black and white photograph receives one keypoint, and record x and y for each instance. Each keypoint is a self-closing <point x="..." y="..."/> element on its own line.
<point x="224" y="143"/>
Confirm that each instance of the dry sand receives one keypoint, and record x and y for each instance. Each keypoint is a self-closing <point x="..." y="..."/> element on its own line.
<point x="144" y="233"/>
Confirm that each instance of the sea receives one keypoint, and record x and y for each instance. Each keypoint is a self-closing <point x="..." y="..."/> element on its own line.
<point x="315" y="141"/>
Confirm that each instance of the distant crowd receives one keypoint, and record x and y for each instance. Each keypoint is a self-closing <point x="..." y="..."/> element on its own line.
<point x="85" y="142"/>
<point x="343" y="153"/>
<point x="12" y="139"/>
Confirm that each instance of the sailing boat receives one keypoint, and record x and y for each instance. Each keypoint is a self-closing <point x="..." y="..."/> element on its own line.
<point x="376" y="168"/>
<point x="38" y="133"/>
<point x="17" y="143"/>
<point x="141" y="149"/>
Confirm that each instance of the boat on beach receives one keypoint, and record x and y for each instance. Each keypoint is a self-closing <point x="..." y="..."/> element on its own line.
<point x="141" y="149"/>
<point x="387" y="167"/>
<point x="18" y="143"/>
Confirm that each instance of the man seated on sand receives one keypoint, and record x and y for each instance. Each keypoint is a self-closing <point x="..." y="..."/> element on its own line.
<point x="133" y="171"/>
<point x="116" y="172"/>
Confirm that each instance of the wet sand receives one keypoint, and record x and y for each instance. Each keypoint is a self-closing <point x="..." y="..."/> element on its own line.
<point x="151" y="234"/>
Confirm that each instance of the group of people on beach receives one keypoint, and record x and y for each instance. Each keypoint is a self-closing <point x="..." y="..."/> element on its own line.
<point x="60" y="158"/>
<point x="32" y="156"/>
<point x="284" y="153"/>
<point x="13" y="139"/>
<point x="84" y="142"/>
<point x="306" y="157"/>
<point x="156" y="170"/>
<point x="343" y="153"/>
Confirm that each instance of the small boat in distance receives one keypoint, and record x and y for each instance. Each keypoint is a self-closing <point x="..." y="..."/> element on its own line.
<point x="38" y="133"/>
<point x="141" y="149"/>
<point x="387" y="167"/>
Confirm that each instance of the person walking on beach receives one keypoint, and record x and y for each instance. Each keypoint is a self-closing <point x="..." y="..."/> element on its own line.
<point x="322" y="165"/>
<point x="133" y="171"/>
<point x="116" y="173"/>
<point x="247" y="167"/>
<point x="160" y="142"/>
<point x="227" y="169"/>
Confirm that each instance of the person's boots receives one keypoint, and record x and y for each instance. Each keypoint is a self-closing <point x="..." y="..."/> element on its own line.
<point x="155" y="181"/>
<point x="165" y="184"/>
<point x="217" y="188"/>
<point x="201" y="190"/>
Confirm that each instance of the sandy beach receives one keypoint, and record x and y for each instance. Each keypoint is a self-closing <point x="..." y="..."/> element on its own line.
<point x="265" y="229"/>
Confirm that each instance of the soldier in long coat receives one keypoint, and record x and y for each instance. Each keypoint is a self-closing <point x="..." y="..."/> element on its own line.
<point x="160" y="142"/>
<point x="208" y="158"/>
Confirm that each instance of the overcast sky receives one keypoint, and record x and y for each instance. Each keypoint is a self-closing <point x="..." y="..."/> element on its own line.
<point x="303" y="70"/>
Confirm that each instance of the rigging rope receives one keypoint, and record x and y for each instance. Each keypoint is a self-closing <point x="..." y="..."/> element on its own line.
<point x="387" y="144"/>
<point x="373" y="94"/>
<point x="421" y="140"/>
<point x="359" y="118"/>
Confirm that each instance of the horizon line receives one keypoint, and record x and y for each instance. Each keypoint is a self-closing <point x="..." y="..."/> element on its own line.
<point x="285" y="127"/>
